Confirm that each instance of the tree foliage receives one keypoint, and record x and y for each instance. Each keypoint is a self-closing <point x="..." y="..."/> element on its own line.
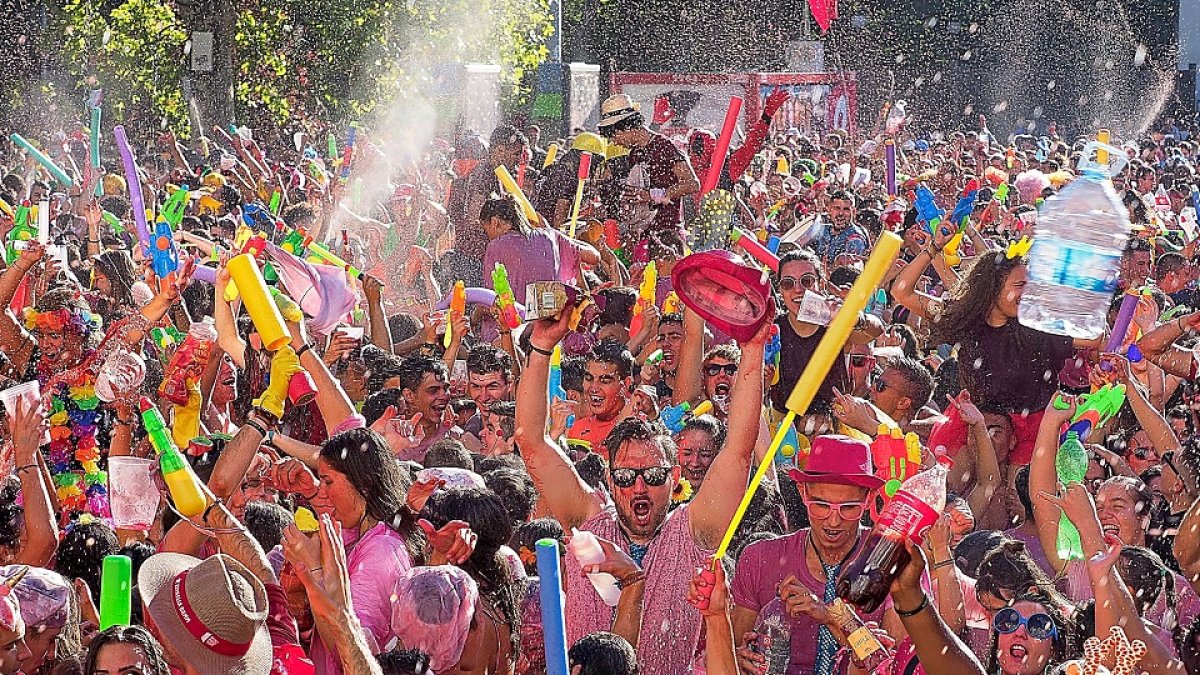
<point x="333" y="59"/>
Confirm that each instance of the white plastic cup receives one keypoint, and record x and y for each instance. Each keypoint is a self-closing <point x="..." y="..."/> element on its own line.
<point x="31" y="392"/>
<point x="131" y="492"/>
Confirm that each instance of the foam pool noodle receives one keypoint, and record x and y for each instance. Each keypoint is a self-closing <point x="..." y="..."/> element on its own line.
<point x="585" y="168"/>
<point x="889" y="162"/>
<point x="510" y="186"/>
<point x="754" y="248"/>
<point x="828" y="350"/>
<point x="41" y="158"/>
<point x="320" y="252"/>
<point x="554" y="627"/>
<point x="137" y="204"/>
<point x="116" y="587"/>
<point x="551" y="155"/>
<point x="721" y="150"/>
<point x="257" y="301"/>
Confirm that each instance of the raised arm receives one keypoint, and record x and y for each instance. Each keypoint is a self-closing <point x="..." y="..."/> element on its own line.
<point x="718" y="498"/>
<point x="1159" y="348"/>
<point x="1152" y="421"/>
<point x="905" y="288"/>
<point x="571" y="501"/>
<point x="688" y="379"/>
<point x="1043" y="479"/>
<point x="40" y="525"/>
<point x="1187" y="545"/>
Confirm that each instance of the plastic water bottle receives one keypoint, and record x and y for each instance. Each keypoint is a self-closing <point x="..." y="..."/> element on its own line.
<point x="1076" y="254"/>
<point x="774" y="638"/>
<point x="1071" y="463"/>
<point x="586" y="549"/>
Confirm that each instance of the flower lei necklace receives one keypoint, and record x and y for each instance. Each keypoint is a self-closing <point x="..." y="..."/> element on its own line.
<point x="74" y="416"/>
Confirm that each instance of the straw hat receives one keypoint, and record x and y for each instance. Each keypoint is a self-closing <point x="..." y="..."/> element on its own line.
<point x="212" y="612"/>
<point x="616" y="108"/>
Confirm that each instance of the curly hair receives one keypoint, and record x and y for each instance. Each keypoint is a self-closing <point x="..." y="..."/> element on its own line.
<point x="973" y="298"/>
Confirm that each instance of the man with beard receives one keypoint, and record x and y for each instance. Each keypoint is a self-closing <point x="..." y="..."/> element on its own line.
<point x="843" y="235"/>
<point x="668" y="545"/>
<point x="802" y="568"/>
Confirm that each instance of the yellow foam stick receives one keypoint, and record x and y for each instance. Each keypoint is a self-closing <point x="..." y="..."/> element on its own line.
<point x="828" y="350"/>
<point x="257" y="300"/>
<point x="510" y="186"/>
<point x="551" y="155"/>
<point x="1104" y="136"/>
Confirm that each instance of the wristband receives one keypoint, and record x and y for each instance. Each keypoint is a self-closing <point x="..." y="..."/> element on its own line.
<point x="915" y="611"/>
<point x="27" y="466"/>
<point x="300" y="352"/>
<point x="944" y="563"/>
<point x="543" y="352"/>
<point x="257" y="427"/>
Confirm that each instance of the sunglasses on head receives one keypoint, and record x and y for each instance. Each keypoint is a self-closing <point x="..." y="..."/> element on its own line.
<point x="653" y="475"/>
<point x="808" y="281"/>
<point x="1039" y="626"/>
<point x="714" y="369"/>
<point x="861" y="360"/>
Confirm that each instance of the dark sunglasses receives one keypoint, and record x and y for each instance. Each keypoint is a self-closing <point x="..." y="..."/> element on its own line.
<point x="861" y="360"/>
<point x="714" y="369"/>
<point x="1039" y="626"/>
<point x="879" y="385"/>
<point x="1143" y="452"/>
<point x="805" y="281"/>
<point x="653" y="475"/>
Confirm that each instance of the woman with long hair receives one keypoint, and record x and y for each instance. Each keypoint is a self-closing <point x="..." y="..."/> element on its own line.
<point x="492" y="643"/>
<point x="1005" y="365"/>
<point x="125" y="649"/>
<point x="1031" y="636"/>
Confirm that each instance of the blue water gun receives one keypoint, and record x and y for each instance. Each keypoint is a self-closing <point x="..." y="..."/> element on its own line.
<point x="927" y="208"/>
<point x="257" y="217"/>
<point x="771" y="353"/>
<point x="677" y="415"/>
<point x="164" y="254"/>
<point x="966" y="204"/>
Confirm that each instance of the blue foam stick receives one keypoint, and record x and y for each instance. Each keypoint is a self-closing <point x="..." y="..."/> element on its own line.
<point x="554" y="626"/>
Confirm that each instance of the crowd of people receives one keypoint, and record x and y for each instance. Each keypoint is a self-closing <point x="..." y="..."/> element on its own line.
<point x="387" y="519"/>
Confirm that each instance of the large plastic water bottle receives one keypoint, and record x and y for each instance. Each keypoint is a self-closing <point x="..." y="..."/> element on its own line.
<point x="774" y="637"/>
<point x="1076" y="254"/>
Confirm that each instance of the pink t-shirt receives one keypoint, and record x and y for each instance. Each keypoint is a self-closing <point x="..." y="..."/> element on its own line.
<point x="545" y="255"/>
<point x="375" y="562"/>
<point x="760" y="570"/>
<point x="670" y="626"/>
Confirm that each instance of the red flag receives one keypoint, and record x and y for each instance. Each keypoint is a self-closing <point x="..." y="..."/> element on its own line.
<point x="824" y="11"/>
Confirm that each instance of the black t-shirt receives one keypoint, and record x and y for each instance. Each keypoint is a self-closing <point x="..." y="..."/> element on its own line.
<point x="794" y="354"/>
<point x="1012" y="367"/>
<point x="1160" y="536"/>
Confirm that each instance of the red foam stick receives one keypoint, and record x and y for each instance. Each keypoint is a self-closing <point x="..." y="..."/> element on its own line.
<point x="585" y="165"/>
<point x="722" y="149"/>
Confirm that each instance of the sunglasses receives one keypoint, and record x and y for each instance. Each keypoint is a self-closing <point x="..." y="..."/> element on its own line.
<point x="653" y="475"/>
<point x="806" y="281"/>
<point x="714" y="369"/>
<point x="1144" y="452"/>
<point x="820" y="510"/>
<point x="880" y="385"/>
<point x="861" y="360"/>
<point x="1039" y="626"/>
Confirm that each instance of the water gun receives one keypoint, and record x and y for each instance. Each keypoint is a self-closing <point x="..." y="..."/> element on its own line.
<point x="677" y="415"/>
<point x="646" y="297"/>
<point x="458" y="306"/>
<point x="323" y="254"/>
<point x="1001" y="194"/>
<point x="959" y="219"/>
<point x="181" y="482"/>
<point x="897" y="457"/>
<point x="504" y="297"/>
<point x="186" y="365"/>
<point x="793" y="449"/>
<point x="172" y="210"/>
<point x="1010" y="156"/>
<point x="927" y="208"/>
<point x="1092" y="410"/>
<point x="166" y="337"/>
<point x="276" y="202"/>
<point x="164" y="254"/>
<point x="752" y="246"/>
<point x="555" y="390"/>
<point x="331" y="141"/>
<point x="772" y="351"/>
<point x="656" y="357"/>
<point x="296" y="242"/>
<point x="113" y="222"/>
<point x="672" y="305"/>
<point x="612" y="239"/>
<point x="21" y="231"/>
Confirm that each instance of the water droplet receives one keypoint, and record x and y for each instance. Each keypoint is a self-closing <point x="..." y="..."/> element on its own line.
<point x="1037" y="111"/>
<point x="978" y="363"/>
<point x="1051" y="84"/>
<point x="937" y="77"/>
<point x="1108" y="95"/>
<point x="966" y="56"/>
<point x="931" y="22"/>
<point x="1000" y="107"/>
<point x="1047" y="375"/>
<point x="1108" y="65"/>
<point x="1139" y="55"/>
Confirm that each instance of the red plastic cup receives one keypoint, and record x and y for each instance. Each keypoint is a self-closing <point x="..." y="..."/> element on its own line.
<point x="301" y="388"/>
